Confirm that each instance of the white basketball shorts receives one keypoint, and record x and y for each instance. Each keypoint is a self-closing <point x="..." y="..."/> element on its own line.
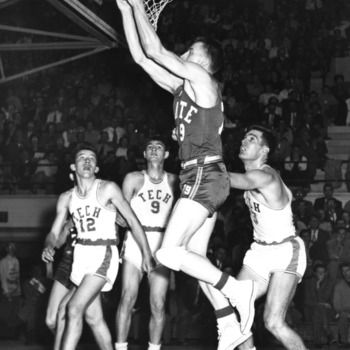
<point x="289" y="257"/>
<point x="97" y="260"/>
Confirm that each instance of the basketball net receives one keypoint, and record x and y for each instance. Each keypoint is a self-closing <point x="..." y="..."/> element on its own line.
<point x="153" y="9"/>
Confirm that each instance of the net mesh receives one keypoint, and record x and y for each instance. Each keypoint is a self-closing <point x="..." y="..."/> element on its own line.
<point x="153" y="9"/>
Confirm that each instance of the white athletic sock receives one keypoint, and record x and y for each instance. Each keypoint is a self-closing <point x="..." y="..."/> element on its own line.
<point x="121" y="346"/>
<point x="153" y="346"/>
<point x="229" y="287"/>
<point x="232" y="319"/>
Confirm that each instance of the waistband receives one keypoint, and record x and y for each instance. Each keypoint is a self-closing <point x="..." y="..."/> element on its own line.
<point x="287" y="239"/>
<point x="201" y="161"/>
<point x="100" y="241"/>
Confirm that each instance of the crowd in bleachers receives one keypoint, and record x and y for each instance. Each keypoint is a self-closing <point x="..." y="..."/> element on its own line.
<point x="270" y="59"/>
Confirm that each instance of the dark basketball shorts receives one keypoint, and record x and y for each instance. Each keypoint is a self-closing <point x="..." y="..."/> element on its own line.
<point x="64" y="269"/>
<point x="207" y="184"/>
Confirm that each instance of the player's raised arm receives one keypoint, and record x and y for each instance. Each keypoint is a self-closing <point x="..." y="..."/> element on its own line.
<point x="154" y="49"/>
<point x="160" y="75"/>
<point x="52" y="237"/>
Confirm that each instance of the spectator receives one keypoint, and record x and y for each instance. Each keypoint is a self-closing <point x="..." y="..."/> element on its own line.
<point x="324" y="224"/>
<point x="338" y="251"/>
<point x="340" y="92"/>
<point x="54" y="116"/>
<point x="319" y="238"/>
<point x="346" y="217"/>
<point x="321" y="202"/>
<point x="295" y="168"/>
<point x="10" y="288"/>
<point x="272" y="114"/>
<point x="331" y="213"/>
<point x="318" y="305"/>
<point x="122" y="149"/>
<point x="341" y="303"/>
<point x="305" y="235"/>
<point x="303" y="140"/>
<point x="300" y="206"/>
<point x="91" y="135"/>
<point x="34" y="289"/>
<point x="103" y="146"/>
<point x="68" y="134"/>
<point x="45" y="174"/>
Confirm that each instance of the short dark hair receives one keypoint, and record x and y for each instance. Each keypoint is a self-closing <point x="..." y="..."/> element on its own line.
<point x="214" y="51"/>
<point x="84" y="147"/>
<point x="329" y="185"/>
<point x="268" y="137"/>
<point x="158" y="137"/>
<point x="344" y="264"/>
<point x="319" y="265"/>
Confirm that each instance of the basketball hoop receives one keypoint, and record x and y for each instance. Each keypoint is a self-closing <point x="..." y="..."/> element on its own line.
<point x="153" y="9"/>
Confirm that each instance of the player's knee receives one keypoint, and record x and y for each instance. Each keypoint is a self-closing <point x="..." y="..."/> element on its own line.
<point x="74" y="310"/>
<point x="127" y="300"/>
<point x="92" y="318"/>
<point x="157" y="307"/>
<point x="272" y="323"/>
<point x="171" y="257"/>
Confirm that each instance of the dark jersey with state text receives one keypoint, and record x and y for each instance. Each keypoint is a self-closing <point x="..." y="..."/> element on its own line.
<point x="198" y="129"/>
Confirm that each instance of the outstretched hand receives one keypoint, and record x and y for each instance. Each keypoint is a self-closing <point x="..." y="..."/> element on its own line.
<point x="120" y="220"/>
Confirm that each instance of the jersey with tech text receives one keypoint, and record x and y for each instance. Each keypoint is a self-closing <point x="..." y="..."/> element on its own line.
<point x="92" y="219"/>
<point x="198" y="129"/>
<point x="270" y="225"/>
<point x="153" y="203"/>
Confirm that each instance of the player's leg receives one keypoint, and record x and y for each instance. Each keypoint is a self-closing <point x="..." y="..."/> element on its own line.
<point x="187" y="218"/>
<point x="280" y="293"/>
<point x="61" y="318"/>
<point x="87" y="291"/>
<point x="58" y="291"/>
<point x="229" y="331"/>
<point x="248" y="274"/>
<point x="158" y="283"/>
<point x="94" y="318"/>
<point x="131" y="278"/>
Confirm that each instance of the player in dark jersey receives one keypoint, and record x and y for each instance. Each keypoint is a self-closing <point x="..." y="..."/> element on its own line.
<point x="204" y="181"/>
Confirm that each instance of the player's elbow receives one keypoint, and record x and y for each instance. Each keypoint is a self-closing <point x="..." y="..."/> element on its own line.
<point x="153" y="52"/>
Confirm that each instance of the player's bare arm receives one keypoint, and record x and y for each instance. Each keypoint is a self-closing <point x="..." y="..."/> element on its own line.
<point x="160" y="75"/>
<point x="117" y="198"/>
<point x="251" y="180"/>
<point x="203" y="88"/>
<point x="131" y="185"/>
<point x="62" y="208"/>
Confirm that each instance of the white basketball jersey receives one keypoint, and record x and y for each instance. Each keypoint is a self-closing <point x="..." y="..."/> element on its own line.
<point x="153" y="203"/>
<point x="270" y="225"/>
<point x="92" y="219"/>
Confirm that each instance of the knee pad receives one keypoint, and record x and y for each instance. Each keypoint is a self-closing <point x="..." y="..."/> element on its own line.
<point x="171" y="257"/>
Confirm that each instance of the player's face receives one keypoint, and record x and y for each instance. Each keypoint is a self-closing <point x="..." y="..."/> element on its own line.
<point x="195" y="53"/>
<point x="85" y="163"/>
<point x="155" y="150"/>
<point x="320" y="273"/>
<point x="252" y="145"/>
<point x="346" y="273"/>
